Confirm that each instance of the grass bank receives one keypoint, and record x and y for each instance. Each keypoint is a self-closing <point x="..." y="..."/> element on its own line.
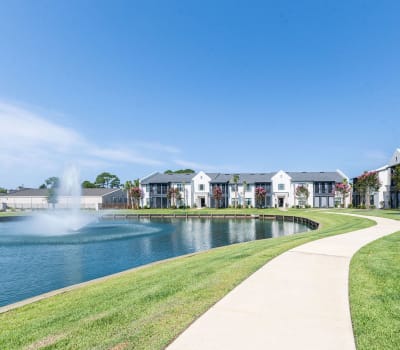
<point x="384" y="213"/>
<point x="148" y="307"/>
<point x="375" y="294"/>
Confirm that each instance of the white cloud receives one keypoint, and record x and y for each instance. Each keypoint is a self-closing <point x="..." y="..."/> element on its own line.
<point x="33" y="144"/>
<point x="22" y="129"/>
<point x="121" y="155"/>
<point x="158" y="147"/>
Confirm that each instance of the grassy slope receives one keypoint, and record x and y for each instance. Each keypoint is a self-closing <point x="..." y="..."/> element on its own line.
<point x="375" y="294"/>
<point x="147" y="308"/>
<point x="375" y="290"/>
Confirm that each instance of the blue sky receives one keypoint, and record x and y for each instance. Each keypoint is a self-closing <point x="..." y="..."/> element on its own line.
<point x="134" y="87"/>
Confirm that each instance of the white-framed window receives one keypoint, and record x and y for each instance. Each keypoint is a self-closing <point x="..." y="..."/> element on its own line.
<point x="281" y="187"/>
<point x="201" y="187"/>
<point x="179" y="187"/>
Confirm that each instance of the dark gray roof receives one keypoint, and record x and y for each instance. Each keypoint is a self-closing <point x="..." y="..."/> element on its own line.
<point x="250" y="178"/>
<point x="167" y="178"/>
<point x="28" y="192"/>
<point x="219" y="177"/>
<point x="95" y="192"/>
<point x="315" y="176"/>
<point x="36" y="192"/>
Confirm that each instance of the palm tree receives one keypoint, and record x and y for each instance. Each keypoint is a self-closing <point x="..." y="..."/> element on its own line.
<point x="127" y="187"/>
<point x="244" y="193"/>
<point x="184" y="193"/>
<point x="235" y="180"/>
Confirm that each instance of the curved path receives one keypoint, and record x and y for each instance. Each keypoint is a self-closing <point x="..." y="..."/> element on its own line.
<point x="299" y="300"/>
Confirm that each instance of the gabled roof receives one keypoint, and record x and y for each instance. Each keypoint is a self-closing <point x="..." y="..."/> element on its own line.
<point x="39" y="192"/>
<point x="250" y="178"/>
<point x="28" y="192"/>
<point x="395" y="158"/>
<point x="314" y="176"/>
<point x="219" y="177"/>
<point x="168" y="178"/>
<point x="96" y="192"/>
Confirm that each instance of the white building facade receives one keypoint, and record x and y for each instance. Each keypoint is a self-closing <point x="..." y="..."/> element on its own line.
<point x="199" y="190"/>
<point x="35" y="199"/>
<point x="387" y="196"/>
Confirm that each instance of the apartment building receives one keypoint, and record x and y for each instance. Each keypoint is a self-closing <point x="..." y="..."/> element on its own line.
<point x="198" y="190"/>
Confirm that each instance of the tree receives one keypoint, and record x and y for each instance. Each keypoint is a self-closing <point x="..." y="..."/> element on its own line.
<point x="302" y="194"/>
<point x="217" y="194"/>
<point x="136" y="194"/>
<point x="3" y="190"/>
<point x="235" y="180"/>
<point x="88" y="184"/>
<point x="51" y="184"/>
<point x="127" y="187"/>
<point x="244" y="193"/>
<point x="174" y="195"/>
<point x="260" y="196"/>
<point x="344" y="189"/>
<point x="107" y="180"/>
<point x="367" y="184"/>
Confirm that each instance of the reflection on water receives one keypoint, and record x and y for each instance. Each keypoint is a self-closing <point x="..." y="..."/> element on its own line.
<point x="32" y="264"/>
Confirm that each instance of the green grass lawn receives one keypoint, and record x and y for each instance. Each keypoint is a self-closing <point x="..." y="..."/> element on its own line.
<point x="148" y="307"/>
<point x="375" y="294"/>
<point x="375" y="289"/>
<point x="387" y="213"/>
<point x="13" y="213"/>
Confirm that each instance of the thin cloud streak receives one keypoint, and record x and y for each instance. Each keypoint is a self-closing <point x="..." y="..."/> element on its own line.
<point x="158" y="147"/>
<point x="31" y="143"/>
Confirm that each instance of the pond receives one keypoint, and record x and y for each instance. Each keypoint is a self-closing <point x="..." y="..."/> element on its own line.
<point x="32" y="263"/>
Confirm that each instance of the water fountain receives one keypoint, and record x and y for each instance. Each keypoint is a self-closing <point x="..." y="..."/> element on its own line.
<point x="67" y="217"/>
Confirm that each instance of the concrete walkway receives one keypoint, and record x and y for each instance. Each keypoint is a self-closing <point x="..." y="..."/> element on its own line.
<point x="299" y="300"/>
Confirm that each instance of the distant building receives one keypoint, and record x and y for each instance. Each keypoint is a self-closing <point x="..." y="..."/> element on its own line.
<point x="91" y="198"/>
<point x="387" y="196"/>
<point x="197" y="190"/>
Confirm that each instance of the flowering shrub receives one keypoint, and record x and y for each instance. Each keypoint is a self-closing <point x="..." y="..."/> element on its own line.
<point x="367" y="184"/>
<point x="260" y="195"/>
<point x="217" y="194"/>
<point x="302" y="193"/>
<point x="344" y="189"/>
<point x="136" y="194"/>
<point x="174" y="195"/>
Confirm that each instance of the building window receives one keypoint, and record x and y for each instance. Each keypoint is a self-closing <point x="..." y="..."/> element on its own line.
<point x="281" y="187"/>
<point x="179" y="187"/>
<point x="201" y="187"/>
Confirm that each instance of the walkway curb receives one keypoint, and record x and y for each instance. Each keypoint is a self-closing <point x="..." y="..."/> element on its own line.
<point x="299" y="300"/>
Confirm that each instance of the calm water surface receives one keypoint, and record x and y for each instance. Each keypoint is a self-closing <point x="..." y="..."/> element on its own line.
<point x="32" y="263"/>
